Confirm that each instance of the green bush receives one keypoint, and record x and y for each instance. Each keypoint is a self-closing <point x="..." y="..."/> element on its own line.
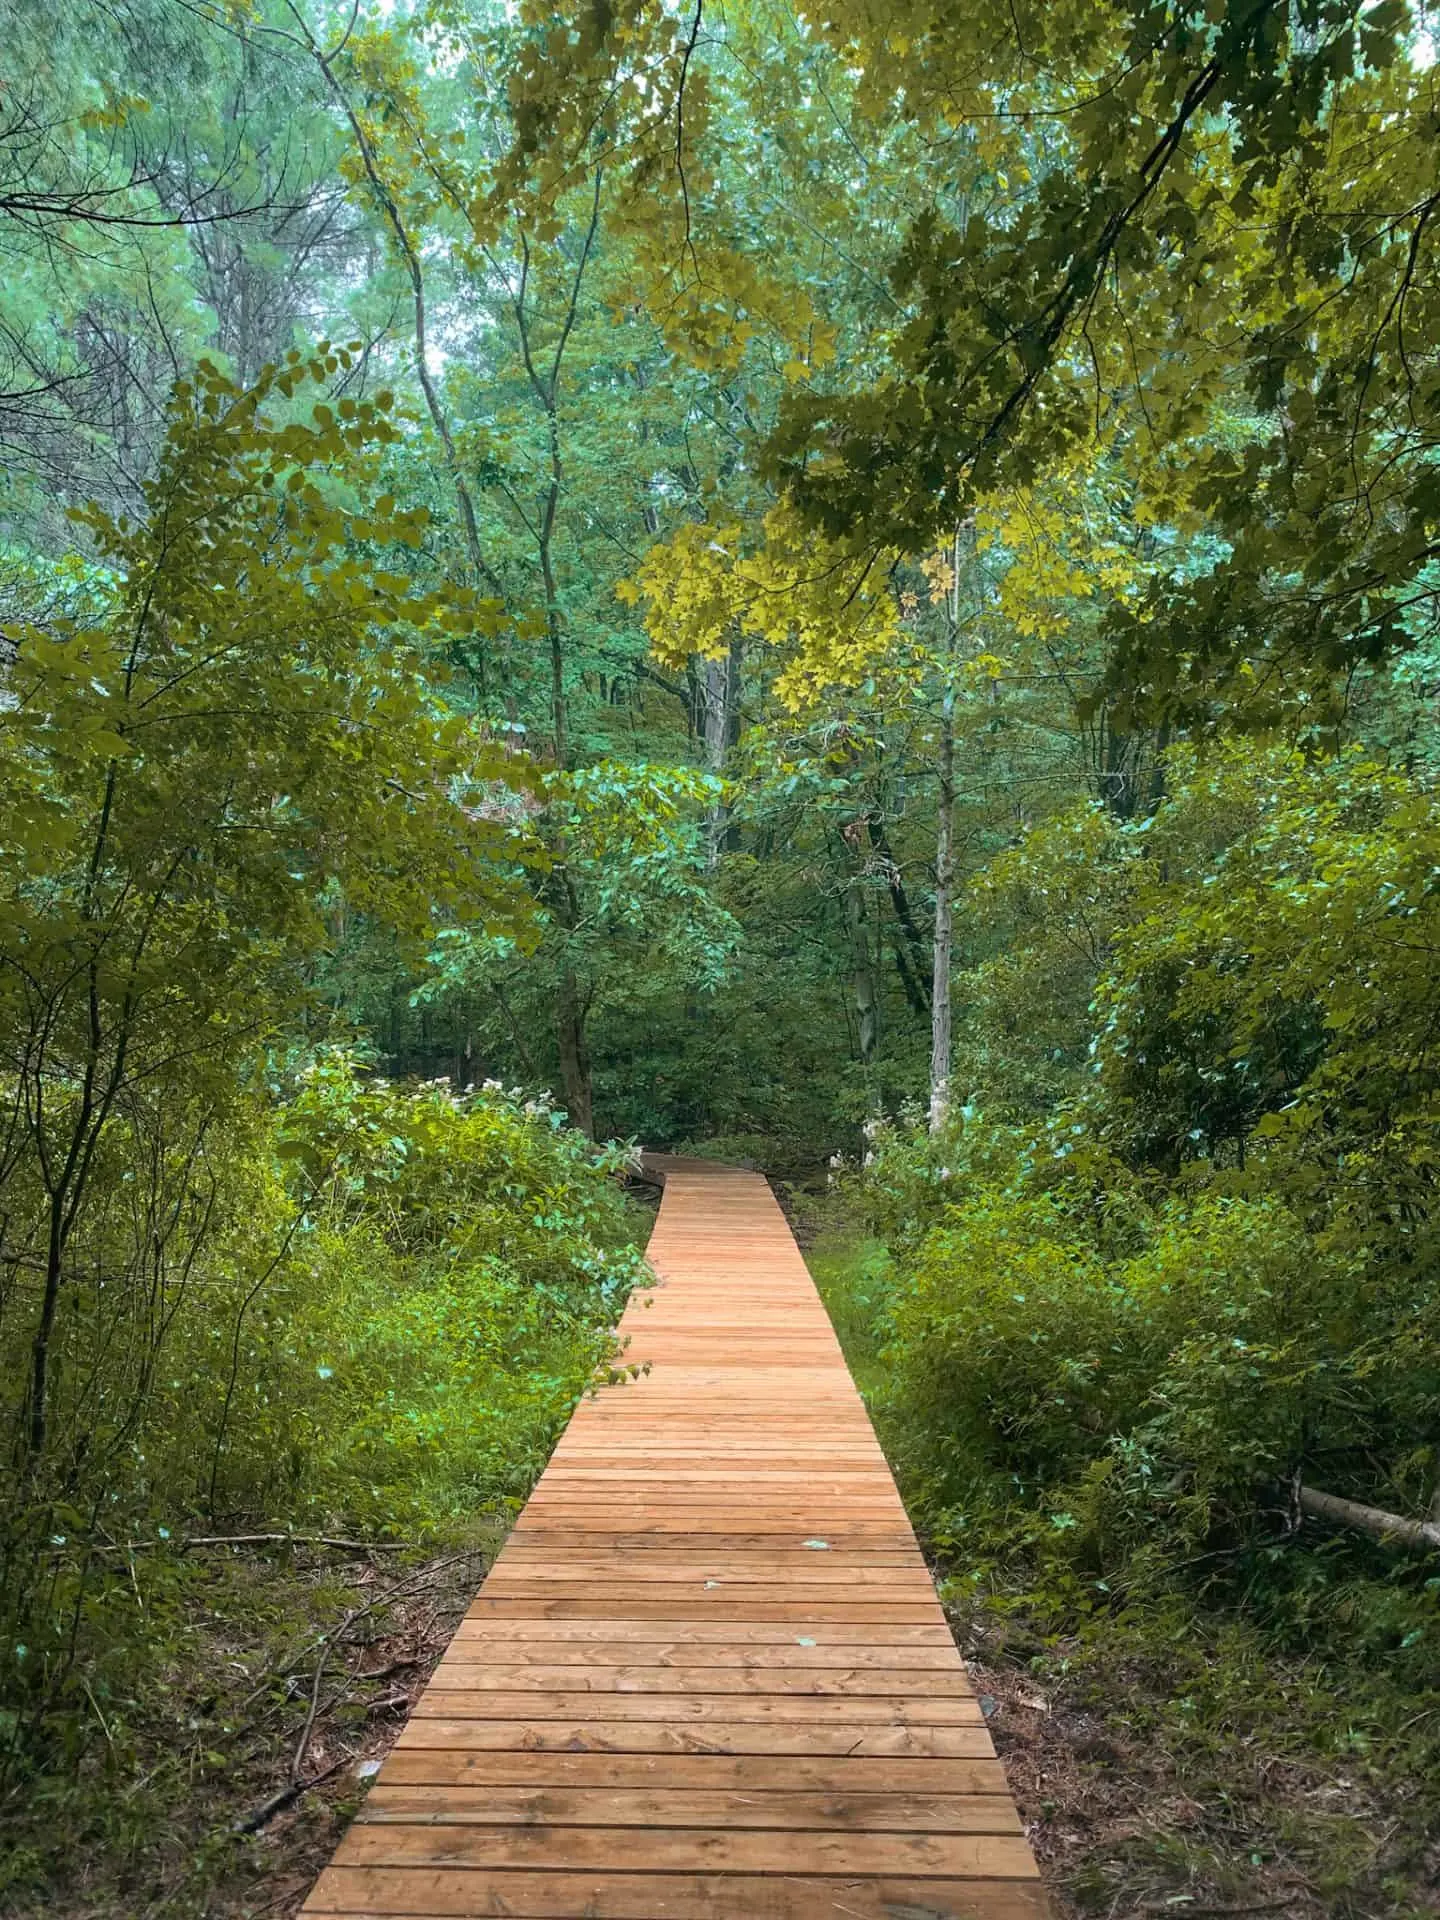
<point x="379" y="1318"/>
<point x="1098" y="1392"/>
<point x="1137" y="1375"/>
<point x="448" y="1297"/>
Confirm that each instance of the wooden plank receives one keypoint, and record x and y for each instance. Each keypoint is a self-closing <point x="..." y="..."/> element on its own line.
<point x="705" y="1594"/>
<point x="793" y="1515"/>
<point x="529" y="1537"/>
<point x="708" y="1678"/>
<point x="682" y="1708"/>
<point x="780" y="1634"/>
<point x="456" y="1674"/>
<point x="835" y="1737"/>
<point x="380" y="1893"/>
<point x="709" y="1606"/>
<point x="653" y="1588"/>
<point x="468" y="1676"/>
<point x="688" y="1850"/>
<point x="601" y="1558"/>
<point x="510" y="1655"/>
<point x="863" y="1538"/>
<point x="799" y="1568"/>
<point x="714" y="1772"/>
<point x="729" y="1811"/>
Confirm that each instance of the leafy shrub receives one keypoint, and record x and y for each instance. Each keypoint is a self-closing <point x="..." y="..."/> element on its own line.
<point x="447" y="1298"/>
<point x="779" y="1156"/>
<point x="1137" y="1375"/>
<point x="1201" y="1261"/>
<point x="397" y="1298"/>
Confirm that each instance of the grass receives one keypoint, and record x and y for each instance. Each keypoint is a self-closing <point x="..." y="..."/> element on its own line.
<point x="1172" y="1760"/>
<point x="853" y="1277"/>
<point x="181" y="1729"/>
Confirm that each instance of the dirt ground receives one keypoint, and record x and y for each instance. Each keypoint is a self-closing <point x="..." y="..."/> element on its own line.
<point x="1130" y="1821"/>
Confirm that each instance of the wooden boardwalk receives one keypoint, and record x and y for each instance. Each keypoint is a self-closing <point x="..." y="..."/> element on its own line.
<point x="708" y="1677"/>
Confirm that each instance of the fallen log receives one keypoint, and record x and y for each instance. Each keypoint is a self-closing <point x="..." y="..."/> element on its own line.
<point x="1391" y="1529"/>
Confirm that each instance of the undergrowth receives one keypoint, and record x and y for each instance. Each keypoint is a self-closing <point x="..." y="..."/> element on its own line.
<point x="215" y="1773"/>
<point x="1223" y="1722"/>
<point x="382" y="1324"/>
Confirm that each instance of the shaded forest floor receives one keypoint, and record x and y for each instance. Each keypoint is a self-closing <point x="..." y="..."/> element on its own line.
<point x="1146" y="1792"/>
<point x="1155" y="1777"/>
<point x="274" y="1668"/>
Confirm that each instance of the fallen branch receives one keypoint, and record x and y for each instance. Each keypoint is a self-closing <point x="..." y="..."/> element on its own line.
<point x="287" y="1795"/>
<point x="295" y="1540"/>
<point x="328" y="1642"/>
<point x="1391" y="1529"/>
<point x="388" y="1705"/>
<point x="1192" y="1913"/>
<point x="260" y="1540"/>
<point x="262" y="1815"/>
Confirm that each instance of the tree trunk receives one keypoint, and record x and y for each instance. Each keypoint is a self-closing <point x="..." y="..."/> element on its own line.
<point x="38" y="1398"/>
<point x="715" y="718"/>
<point x="720" y="712"/>
<point x="576" y="1085"/>
<point x="940" y="1029"/>
<point x="411" y="256"/>
<point x="909" y="959"/>
<point x="865" y="988"/>
<point x="1116" y="770"/>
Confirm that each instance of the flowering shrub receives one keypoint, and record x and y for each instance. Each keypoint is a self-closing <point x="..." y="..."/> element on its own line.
<point x="447" y="1296"/>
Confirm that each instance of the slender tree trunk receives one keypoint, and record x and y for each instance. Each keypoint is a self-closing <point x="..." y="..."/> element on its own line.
<point x="867" y="998"/>
<point x="719" y="698"/>
<point x="410" y="255"/>
<point x="1157" y="766"/>
<point x="558" y="730"/>
<point x="909" y="960"/>
<point x="1115" y="772"/>
<point x="735" y="678"/>
<point x="941" y="1039"/>
<point x="575" y="1081"/>
<point x="941" y="1033"/>
<point x="716" y="704"/>
<point x="38" y="1400"/>
<point x="915" y="997"/>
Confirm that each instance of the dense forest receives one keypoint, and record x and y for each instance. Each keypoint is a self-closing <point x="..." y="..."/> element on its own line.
<point x="853" y="590"/>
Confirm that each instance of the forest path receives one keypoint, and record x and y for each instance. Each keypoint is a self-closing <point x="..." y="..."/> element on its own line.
<point x="708" y="1677"/>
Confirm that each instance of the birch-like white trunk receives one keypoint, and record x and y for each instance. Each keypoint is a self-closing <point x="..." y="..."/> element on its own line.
<point x="941" y="1038"/>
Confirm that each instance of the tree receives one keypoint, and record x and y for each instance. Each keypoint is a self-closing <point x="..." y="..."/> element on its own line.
<point x="180" y="793"/>
<point x="1149" y="241"/>
<point x="165" y="190"/>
